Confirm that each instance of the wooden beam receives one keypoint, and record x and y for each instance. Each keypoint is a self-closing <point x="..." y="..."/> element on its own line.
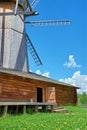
<point x="27" y="103"/>
<point x="36" y="108"/>
<point x="19" y="13"/>
<point x="24" y="109"/>
<point x="51" y="108"/>
<point x="16" y="7"/>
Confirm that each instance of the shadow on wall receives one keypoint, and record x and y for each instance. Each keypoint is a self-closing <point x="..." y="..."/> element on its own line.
<point x="2" y="40"/>
<point x="22" y="58"/>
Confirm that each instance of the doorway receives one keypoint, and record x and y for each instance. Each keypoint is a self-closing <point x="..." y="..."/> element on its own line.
<point x="39" y="95"/>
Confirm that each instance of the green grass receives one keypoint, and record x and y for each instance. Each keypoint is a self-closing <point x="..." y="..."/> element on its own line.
<point x="75" y="120"/>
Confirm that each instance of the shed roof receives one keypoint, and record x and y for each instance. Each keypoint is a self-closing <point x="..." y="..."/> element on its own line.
<point x="33" y="76"/>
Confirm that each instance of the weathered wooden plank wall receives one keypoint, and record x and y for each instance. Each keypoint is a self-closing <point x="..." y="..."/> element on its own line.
<point x="13" y="48"/>
<point x="22" y="91"/>
<point x="66" y="95"/>
<point x="13" y="87"/>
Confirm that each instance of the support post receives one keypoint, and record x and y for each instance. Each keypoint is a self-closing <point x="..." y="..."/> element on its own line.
<point x="17" y="109"/>
<point x="36" y="109"/>
<point x="24" y="109"/>
<point x="5" y="111"/>
<point x="52" y="108"/>
<point x="16" y="7"/>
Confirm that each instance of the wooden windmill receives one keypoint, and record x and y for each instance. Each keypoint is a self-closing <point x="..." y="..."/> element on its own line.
<point x="13" y="37"/>
<point x="20" y="88"/>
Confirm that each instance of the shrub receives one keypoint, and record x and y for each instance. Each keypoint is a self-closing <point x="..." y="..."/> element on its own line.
<point x="30" y="110"/>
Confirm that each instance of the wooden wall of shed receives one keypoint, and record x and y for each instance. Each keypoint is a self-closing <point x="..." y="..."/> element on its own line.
<point x="14" y="90"/>
<point x="66" y="95"/>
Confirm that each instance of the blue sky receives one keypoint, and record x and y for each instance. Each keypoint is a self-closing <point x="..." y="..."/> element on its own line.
<point x="62" y="49"/>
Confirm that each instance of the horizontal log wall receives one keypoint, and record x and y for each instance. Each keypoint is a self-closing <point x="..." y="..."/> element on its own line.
<point x="24" y="89"/>
<point x="14" y="90"/>
<point x="17" y="91"/>
<point x="66" y="95"/>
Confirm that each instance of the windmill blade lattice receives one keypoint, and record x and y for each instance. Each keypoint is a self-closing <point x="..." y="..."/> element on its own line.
<point x="49" y="22"/>
<point x="34" y="3"/>
<point x="33" y="51"/>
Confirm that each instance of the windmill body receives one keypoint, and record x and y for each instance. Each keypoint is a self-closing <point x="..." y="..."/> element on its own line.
<point x="13" y="49"/>
<point x="13" y="38"/>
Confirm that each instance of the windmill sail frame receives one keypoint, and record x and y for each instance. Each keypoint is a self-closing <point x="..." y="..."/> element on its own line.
<point x="33" y="51"/>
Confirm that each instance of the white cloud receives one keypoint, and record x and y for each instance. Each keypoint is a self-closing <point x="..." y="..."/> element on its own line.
<point x="38" y="72"/>
<point x="78" y="80"/>
<point x="71" y="62"/>
<point x="30" y="70"/>
<point x="46" y="74"/>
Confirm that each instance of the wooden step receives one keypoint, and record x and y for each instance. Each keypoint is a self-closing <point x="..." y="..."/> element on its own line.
<point x="61" y="110"/>
<point x="58" y="108"/>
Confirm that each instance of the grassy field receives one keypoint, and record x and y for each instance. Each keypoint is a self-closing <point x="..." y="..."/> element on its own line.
<point x="76" y="119"/>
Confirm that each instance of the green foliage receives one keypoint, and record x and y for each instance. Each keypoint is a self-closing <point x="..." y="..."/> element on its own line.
<point x="75" y="120"/>
<point x="1" y="110"/>
<point x="43" y="110"/>
<point x="30" y="110"/>
<point x="83" y="98"/>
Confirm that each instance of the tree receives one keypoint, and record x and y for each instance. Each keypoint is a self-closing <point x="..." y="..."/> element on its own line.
<point x="83" y="98"/>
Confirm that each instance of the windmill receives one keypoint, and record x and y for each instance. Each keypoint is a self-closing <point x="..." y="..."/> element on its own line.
<point x="14" y="39"/>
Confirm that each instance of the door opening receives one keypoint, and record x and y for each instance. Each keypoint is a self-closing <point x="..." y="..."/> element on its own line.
<point x="39" y="95"/>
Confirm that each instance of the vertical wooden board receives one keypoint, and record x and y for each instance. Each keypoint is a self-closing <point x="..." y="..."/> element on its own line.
<point x="50" y="94"/>
<point x="13" y="49"/>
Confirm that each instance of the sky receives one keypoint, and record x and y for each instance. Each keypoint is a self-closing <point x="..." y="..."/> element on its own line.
<point x="61" y="48"/>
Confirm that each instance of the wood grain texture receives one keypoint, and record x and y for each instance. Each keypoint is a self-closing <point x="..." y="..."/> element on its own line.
<point x="66" y="95"/>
